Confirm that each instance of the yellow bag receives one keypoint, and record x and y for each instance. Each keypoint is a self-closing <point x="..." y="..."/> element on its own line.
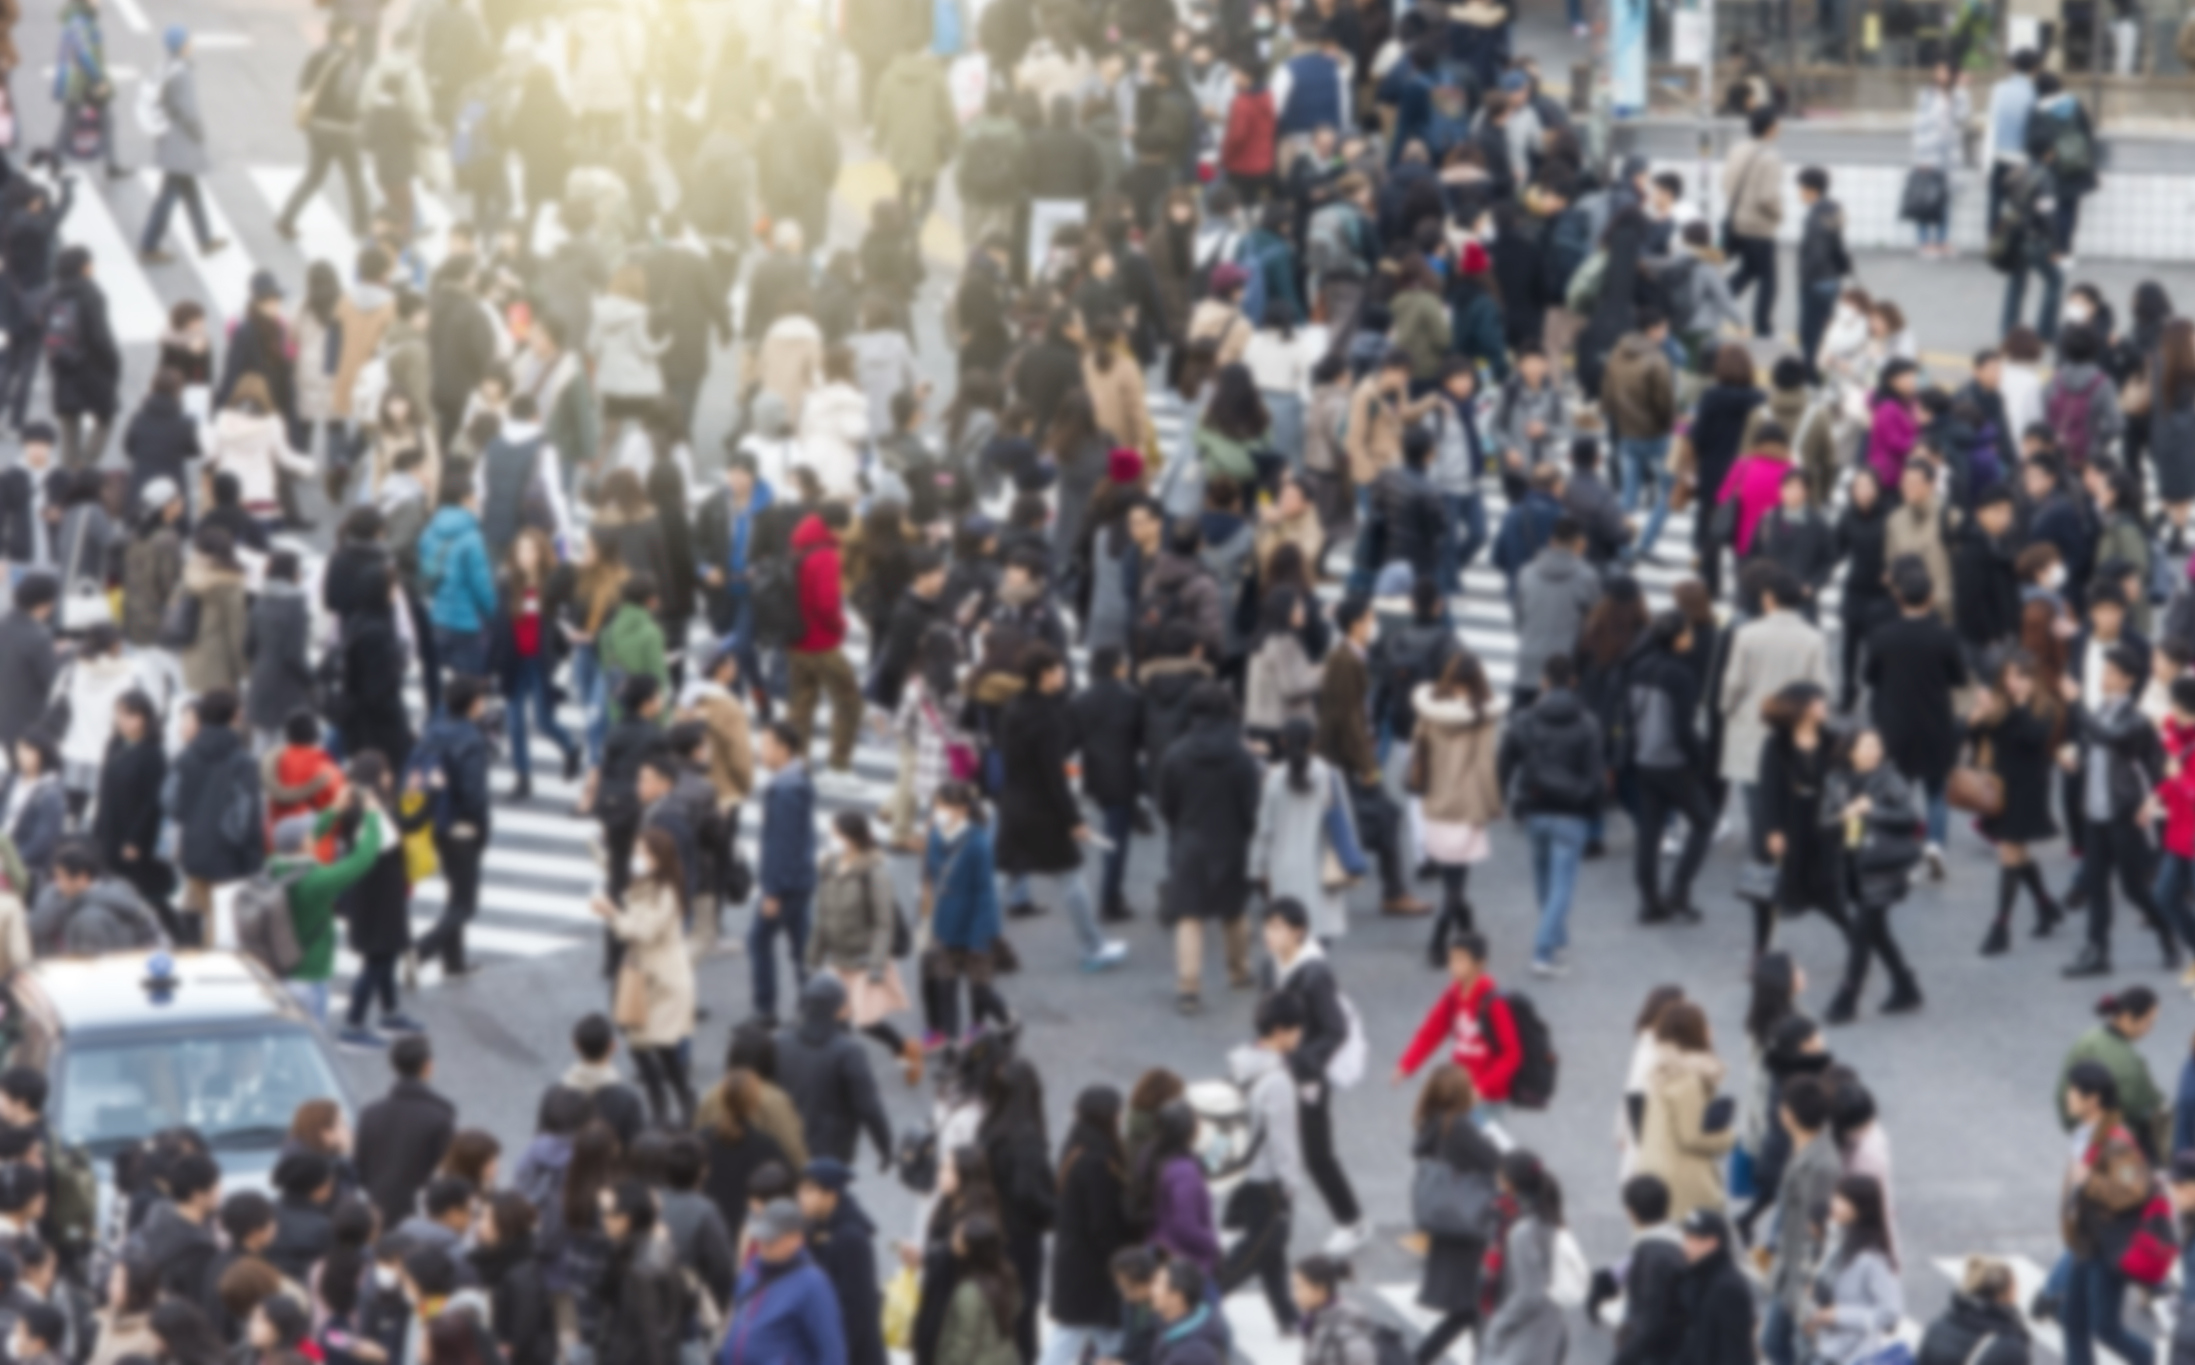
<point x="901" y="1298"/>
<point x="420" y="861"/>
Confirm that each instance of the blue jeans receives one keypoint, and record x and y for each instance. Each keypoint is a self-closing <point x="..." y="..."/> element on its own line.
<point x="2015" y="298"/>
<point x="587" y="686"/>
<point x="464" y="653"/>
<point x="1779" y="1335"/>
<point x="1076" y="892"/>
<point x="2175" y="879"/>
<point x="1933" y="234"/>
<point x="1119" y="825"/>
<point x="313" y="995"/>
<point x="2094" y="1310"/>
<point x="1644" y="462"/>
<point x="1066" y="1344"/>
<point x="790" y="920"/>
<point x="1939" y="815"/>
<point x="533" y="686"/>
<point x="1467" y="514"/>
<point x="1558" y="846"/>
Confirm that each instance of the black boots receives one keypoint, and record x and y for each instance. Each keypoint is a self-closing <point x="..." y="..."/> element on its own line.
<point x="2048" y="914"/>
<point x="2093" y="961"/>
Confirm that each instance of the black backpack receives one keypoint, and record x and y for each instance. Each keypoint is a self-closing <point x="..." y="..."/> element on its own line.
<point x="179" y="623"/>
<point x="64" y="331"/>
<point x="1533" y="1083"/>
<point x="990" y="167"/>
<point x="1388" y="1346"/>
<point x="778" y="619"/>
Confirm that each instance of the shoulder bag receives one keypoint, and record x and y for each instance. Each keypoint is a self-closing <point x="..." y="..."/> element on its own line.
<point x="1975" y="788"/>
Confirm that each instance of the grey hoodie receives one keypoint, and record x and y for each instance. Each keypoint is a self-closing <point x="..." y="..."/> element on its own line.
<point x="1554" y="592"/>
<point x="1271" y="1094"/>
<point x="108" y="917"/>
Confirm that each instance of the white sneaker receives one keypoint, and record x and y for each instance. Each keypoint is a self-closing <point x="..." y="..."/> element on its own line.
<point x="1349" y="1240"/>
<point x="1108" y="956"/>
<point x="1547" y="968"/>
<point x="1933" y="856"/>
<point x="844" y="785"/>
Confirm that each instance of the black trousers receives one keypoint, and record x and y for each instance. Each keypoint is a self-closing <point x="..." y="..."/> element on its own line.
<point x="1258" y="1209"/>
<point x="1870" y="939"/>
<point x="461" y="877"/>
<point x="1315" y="1128"/>
<point x="1379" y="828"/>
<point x="1664" y="792"/>
<point x="618" y="838"/>
<point x="663" y="1069"/>
<point x="2121" y="846"/>
<point x="1757" y="268"/>
<point x="323" y="151"/>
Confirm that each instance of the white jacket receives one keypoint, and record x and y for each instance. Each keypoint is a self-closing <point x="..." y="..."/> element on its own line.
<point x="834" y="428"/>
<point x="252" y="446"/>
<point x="625" y="353"/>
<point x="92" y="687"/>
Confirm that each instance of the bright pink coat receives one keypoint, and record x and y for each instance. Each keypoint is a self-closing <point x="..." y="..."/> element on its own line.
<point x="1890" y="439"/>
<point x="1756" y="481"/>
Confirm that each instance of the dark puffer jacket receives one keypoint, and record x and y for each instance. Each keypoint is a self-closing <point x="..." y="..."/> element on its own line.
<point x="824" y="1067"/>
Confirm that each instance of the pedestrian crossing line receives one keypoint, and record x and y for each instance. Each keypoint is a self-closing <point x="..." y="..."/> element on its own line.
<point x="1402" y="1299"/>
<point x="227" y="273"/>
<point x="569" y="907"/>
<point x="487" y="940"/>
<point x="321" y="233"/>
<point x="134" y="310"/>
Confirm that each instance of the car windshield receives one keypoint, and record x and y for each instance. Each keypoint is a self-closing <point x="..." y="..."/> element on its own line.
<point x="237" y="1088"/>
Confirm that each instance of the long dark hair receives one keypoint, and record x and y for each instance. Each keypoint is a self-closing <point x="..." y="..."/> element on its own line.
<point x="1870" y="1226"/>
<point x="593" y="1165"/>
<point x="983" y="1264"/>
<point x="1538" y="1194"/>
<point x="1173" y="1133"/>
<point x="1614" y="624"/>
<point x="1464" y="676"/>
<point x="1295" y="751"/>
<point x="186" y="1338"/>
<point x="1013" y="1102"/>
<point x="663" y="848"/>
<point x="1237" y="410"/>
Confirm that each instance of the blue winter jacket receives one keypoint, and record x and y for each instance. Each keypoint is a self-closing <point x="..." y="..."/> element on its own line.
<point x="964" y="913"/>
<point x="784" y="1315"/>
<point x="453" y="566"/>
<point x="789" y="834"/>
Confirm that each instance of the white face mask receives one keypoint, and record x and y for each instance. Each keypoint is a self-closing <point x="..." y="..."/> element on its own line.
<point x="949" y="821"/>
<point x="2054" y="577"/>
<point x="643" y="867"/>
<point x="384" y="1277"/>
<point x="2078" y="312"/>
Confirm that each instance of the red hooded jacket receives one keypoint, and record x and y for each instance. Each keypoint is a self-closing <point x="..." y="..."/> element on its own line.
<point x="822" y="603"/>
<point x="1247" y="148"/>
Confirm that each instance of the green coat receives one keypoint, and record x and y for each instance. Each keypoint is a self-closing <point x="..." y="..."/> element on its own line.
<point x="915" y="126"/>
<point x="313" y="895"/>
<point x="2140" y="1102"/>
<point x="1421" y="328"/>
<point x="631" y="643"/>
<point x="971" y="1335"/>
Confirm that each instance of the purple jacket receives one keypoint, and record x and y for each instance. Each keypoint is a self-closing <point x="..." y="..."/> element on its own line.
<point x="1890" y="439"/>
<point x="1181" y="1214"/>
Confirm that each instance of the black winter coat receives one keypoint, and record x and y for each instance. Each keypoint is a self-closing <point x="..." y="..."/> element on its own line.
<point x="277" y="642"/>
<point x="401" y="1140"/>
<point x="160" y="440"/>
<point x="1860" y="543"/>
<point x="461" y="342"/>
<point x="213" y="775"/>
<point x="1806" y="545"/>
<point x="1091" y="1224"/>
<point x="845" y="1250"/>
<point x="524" y="1316"/>
<point x="1037" y="811"/>
<point x="1652" y="1331"/>
<point x="1046" y="373"/>
<point x="259" y="345"/>
<point x="911" y="619"/>
<point x="343" y="583"/>
<point x="730" y="1162"/>
<point x="86" y="384"/>
<point x="1408" y="522"/>
<point x="1718" y="1313"/>
<point x="1913" y="665"/>
<point x="2019" y="749"/>
<point x="1791" y="784"/>
<point x="129" y="815"/>
<point x="1985" y="590"/>
<point x="1953" y="1338"/>
<point x="1166" y="685"/>
<point x="378" y="905"/>
<point x="373" y="678"/>
<point x="1108" y="718"/>
<point x="1209" y="786"/>
<point x="824" y="1067"/>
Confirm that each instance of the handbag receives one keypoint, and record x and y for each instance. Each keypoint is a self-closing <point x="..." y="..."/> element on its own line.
<point x="2152" y="1247"/>
<point x="1419" y="775"/>
<point x="629" y="1006"/>
<point x="1447" y="1202"/>
<point x="85" y="604"/>
<point x="2134" y="399"/>
<point x="903" y="937"/>
<point x="1927" y="193"/>
<point x="1757" y="882"/>
<point x="1975" y="788"/>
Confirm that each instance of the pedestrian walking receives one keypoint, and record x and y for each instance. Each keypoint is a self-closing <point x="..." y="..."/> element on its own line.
<point x="179" y="150"/>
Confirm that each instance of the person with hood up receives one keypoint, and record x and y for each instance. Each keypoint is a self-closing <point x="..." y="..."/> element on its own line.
<point x="80" y="912"/>
<point x="785" y="1308"/>
<point x="825" y="1070"/>
<point x="456" y="574"/>
<point x="179" y="149"/>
